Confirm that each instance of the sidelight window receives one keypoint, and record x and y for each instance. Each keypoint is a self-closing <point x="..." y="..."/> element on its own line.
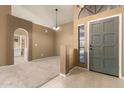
<point x="81" y="44"/>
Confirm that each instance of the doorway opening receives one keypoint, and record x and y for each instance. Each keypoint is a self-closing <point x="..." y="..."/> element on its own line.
<point x="20" y="46"/>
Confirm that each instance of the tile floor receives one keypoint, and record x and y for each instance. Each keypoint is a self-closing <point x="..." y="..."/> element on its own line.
<point x="80" y="78"/>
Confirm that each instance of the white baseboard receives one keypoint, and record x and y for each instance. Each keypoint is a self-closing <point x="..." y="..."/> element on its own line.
<point x="64" y="75"/>
<point x="121" y="77"/>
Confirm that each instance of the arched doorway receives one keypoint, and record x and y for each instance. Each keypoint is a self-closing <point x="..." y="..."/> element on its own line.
<point x="21" y="44"/>
<point x="15" y="23"/>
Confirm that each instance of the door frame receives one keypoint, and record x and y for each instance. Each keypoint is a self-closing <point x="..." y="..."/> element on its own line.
<point x="120" y="40"/>
<point x="26" y="56"/>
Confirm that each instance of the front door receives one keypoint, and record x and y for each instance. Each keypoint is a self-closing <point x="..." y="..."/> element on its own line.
<point x="104" y="46"/>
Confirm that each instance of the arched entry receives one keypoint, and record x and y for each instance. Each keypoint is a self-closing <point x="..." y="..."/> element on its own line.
<point x="13" y="24"/>
<point x="21" y="45"/>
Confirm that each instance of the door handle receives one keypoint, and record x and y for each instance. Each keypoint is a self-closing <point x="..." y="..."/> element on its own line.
<point x="91" y="47"/>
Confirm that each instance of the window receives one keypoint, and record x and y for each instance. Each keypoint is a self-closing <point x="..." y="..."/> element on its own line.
<point x="81" y="43"/>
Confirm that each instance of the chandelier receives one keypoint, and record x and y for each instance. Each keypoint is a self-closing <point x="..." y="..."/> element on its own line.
<point x="56" y="28"/>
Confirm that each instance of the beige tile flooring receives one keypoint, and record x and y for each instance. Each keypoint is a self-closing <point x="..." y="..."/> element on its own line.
<point x="19" y="60"/>
<point x="80" y="78"/>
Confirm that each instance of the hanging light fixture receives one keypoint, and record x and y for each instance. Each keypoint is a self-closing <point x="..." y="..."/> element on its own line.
<point x="56" y="28"/>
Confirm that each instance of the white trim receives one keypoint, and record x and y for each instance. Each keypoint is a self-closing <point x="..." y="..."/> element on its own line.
<point x="88" y="46"/>
<point x="80" y="25"/>
<point x="120" y="40"/>
<point x="26" y="54"/>
<point x="120" y="45"/>
<point x="64" y="75"/>
<point x="121" y="77"/>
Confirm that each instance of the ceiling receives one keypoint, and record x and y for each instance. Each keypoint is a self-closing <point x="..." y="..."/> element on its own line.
<point x="44" y="14"/>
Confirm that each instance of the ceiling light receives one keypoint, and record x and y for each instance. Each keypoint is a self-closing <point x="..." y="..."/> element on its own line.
<point x="56" y="28"/>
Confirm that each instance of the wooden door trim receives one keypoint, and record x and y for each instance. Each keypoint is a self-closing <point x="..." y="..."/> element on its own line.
<point x="120" y="40"/>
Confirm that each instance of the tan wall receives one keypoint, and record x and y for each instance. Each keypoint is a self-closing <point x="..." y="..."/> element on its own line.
<point x="13" y="24"/>
<point x="85" y="22"/>
<point x="45" y="42"/>
<point x="4" y="11"/>
<point x="64" y="36"/>
<point x="8" y="24"/>
<point x="3" y="39"/>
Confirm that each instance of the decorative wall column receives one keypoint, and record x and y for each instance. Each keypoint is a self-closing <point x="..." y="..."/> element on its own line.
<point x="64" y="60"/>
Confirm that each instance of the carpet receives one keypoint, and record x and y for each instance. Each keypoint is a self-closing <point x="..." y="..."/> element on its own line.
<point x="29" y="75"/>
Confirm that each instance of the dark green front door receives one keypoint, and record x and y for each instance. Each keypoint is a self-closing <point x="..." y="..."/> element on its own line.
<point x="104" y="46"/>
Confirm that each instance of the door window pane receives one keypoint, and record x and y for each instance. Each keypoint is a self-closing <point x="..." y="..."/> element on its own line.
<point x="81" y="55"/>
<point x="81" y="44"/>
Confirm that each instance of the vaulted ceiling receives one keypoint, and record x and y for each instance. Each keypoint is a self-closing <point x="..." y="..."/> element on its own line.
<point x="44" y="14"/>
